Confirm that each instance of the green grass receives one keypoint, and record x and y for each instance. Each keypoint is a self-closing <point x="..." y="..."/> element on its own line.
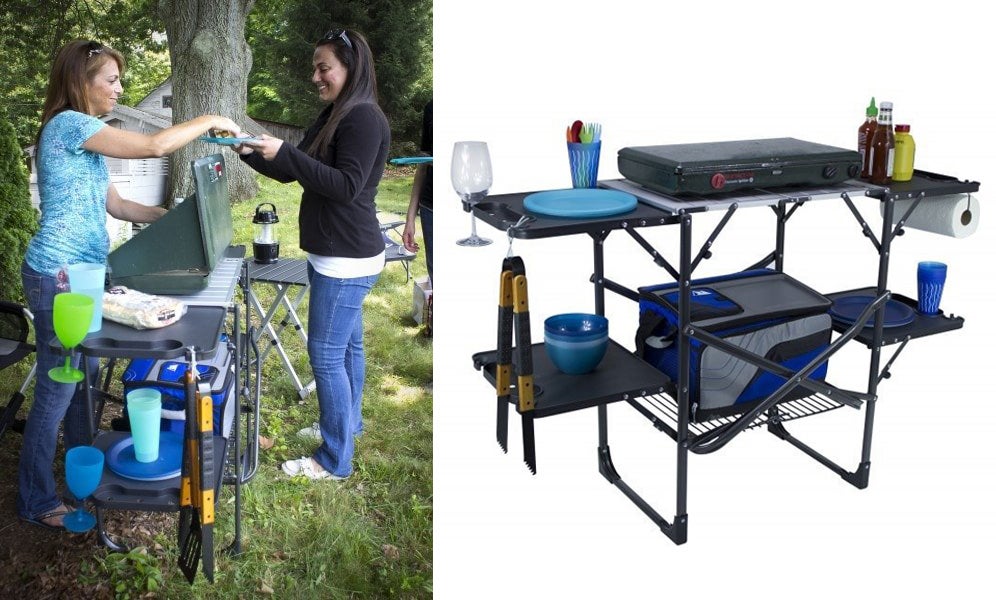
<point x="371" y="535"/>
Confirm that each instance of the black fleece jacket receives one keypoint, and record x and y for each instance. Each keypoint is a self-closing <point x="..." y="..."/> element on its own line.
<point x="338" y="216"/>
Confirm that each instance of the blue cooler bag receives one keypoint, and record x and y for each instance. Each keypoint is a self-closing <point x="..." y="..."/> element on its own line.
<point x="765" y="312"/>
<point x="167" y="377"/>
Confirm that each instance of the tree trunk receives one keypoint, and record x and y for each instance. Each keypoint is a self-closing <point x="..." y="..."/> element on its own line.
<point x="210" y="62"/>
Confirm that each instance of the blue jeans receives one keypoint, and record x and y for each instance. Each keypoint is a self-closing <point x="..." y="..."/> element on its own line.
<point x="53" y="402"/>
<point x="335" y="350"/>
<point x="425" y="214"/>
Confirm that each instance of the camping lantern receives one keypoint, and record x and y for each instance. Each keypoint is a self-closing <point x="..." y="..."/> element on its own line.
<point x="265" y="247"/>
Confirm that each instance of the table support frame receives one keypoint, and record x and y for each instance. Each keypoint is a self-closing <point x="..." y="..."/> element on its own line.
<point x="677" y="528"/>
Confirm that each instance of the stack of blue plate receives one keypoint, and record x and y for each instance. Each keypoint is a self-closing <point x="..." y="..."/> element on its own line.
<point x="121" y="459"/>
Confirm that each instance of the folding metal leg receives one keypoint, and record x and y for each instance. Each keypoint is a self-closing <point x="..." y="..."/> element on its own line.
<point x="266" y="327"/>
<point x="676" y="529"/>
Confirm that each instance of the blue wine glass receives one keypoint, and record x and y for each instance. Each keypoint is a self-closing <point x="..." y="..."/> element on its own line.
<point x="84" y="466"/>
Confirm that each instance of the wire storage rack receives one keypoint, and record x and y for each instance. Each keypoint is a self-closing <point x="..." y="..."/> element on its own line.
<point x="662" y="411"/>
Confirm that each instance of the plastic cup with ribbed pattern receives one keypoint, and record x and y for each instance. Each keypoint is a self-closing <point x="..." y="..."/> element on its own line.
<point x="584" y="163"/>
<point x="930" y="278"/>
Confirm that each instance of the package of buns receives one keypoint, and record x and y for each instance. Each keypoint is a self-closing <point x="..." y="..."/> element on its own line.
<point x="140" y="310"/>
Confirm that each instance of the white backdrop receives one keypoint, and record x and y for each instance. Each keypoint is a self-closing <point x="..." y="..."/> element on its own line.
<point x="515" y="74"/>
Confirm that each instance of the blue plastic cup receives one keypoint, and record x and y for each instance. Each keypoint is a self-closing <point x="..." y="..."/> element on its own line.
<point x="88" y="278"/>
<point x="584" y="163"/>
<point x="144" y="411"/>
<point x="930" y="278"/>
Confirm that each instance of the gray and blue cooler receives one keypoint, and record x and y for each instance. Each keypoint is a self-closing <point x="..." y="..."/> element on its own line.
<point x="167" y="377"/>
<point x="764" y="312"/>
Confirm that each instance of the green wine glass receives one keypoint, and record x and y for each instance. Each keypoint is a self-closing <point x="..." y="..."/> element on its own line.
<point x="71" y="315"/>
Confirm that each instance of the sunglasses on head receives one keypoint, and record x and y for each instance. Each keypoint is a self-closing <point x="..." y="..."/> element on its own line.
<point x="338" y="34"/>
<point x="94" y="48"/>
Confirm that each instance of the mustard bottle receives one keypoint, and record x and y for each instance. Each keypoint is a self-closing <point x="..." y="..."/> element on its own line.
<point x="905" y="150"/>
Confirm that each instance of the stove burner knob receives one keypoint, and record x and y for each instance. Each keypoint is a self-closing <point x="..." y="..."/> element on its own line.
<point x="718" y="181"/>
<point x="853" y="171"/>
<point x="829" y="172"/>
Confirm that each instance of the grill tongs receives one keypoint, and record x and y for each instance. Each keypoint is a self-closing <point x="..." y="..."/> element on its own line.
<point x="197" y="478"/>
<point x="513" y="313"/>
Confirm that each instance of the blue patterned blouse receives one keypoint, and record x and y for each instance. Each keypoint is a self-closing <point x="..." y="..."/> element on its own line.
<point x="72" y="186"/>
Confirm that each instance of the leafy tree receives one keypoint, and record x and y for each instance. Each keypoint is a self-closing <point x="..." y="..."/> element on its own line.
<point x="32" y="32"/>
<point x="282" y="35"/>
<point x="18" y="219"/>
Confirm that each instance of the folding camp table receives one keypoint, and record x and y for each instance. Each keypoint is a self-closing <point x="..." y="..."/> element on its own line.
<point x="285" y="274"/>
<point x="665" y="402"/>
<point x="199" y="330"/>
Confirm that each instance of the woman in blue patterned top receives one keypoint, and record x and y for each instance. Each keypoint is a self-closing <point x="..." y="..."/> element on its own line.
<point x="76" y="195"/>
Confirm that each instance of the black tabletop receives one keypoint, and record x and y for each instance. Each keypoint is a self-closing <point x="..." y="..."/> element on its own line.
<point x="289" y="271"/>
<point x="200" y="327"/>
<point x="930" y="184"/>
<point x="294" y="271"/>
<point x="620" y="375"/>
<point x="117" y="492"/>
<point x="504" y="211"/>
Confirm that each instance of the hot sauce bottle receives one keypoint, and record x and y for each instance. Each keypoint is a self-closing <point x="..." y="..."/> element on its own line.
<point x="883" y="147"/>
<point x="865" y="133"/>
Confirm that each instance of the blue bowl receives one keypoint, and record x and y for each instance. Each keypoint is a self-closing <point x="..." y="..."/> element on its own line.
<point x="576" y="325"/>
<point x="576" y="338"/>
<point x="576" y="357"/>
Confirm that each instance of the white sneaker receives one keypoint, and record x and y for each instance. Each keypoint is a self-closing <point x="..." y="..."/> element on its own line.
<point x="311" y="433"/>
<point x="306" y="467"/>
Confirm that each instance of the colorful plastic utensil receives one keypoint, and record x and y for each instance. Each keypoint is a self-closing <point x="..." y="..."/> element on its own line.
<point x="586" y="135"/>
<point x="576" y="131"/>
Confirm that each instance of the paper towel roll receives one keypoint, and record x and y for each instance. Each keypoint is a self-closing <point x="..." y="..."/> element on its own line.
<point x="956" y="215"/>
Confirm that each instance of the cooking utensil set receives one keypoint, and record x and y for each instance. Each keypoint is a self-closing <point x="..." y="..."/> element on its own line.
<point x="584" y="133"/>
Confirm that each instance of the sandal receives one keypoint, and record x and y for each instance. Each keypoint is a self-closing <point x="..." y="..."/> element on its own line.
<point x="40" y="521"/>
<point x="306" y="467"/>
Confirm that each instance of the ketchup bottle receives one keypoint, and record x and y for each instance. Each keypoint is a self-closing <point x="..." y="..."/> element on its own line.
<point x="865" y="133"/>
<point x="883" y="147"/>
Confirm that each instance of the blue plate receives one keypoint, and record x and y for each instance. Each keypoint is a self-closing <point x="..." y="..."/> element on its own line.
<point x="848" y="308"/>
<point x="225" y="141"/>
<point x="580" y="203"/>
<point x="121" y="459"/>
<point x="411" y="160"/>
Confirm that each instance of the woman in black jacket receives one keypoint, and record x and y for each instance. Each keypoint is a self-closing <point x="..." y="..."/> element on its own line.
<point x="339" y="163"/>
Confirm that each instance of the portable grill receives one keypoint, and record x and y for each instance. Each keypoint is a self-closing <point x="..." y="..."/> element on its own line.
<point x="709" y="168"/>
<point x="176" y="254"/>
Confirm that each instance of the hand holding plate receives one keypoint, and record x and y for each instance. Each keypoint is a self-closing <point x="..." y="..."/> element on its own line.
<point x="265" y="145"/>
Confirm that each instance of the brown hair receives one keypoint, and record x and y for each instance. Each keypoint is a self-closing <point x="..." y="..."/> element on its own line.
<point x="75" y="65"/>
<point x="353" y="51"/>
